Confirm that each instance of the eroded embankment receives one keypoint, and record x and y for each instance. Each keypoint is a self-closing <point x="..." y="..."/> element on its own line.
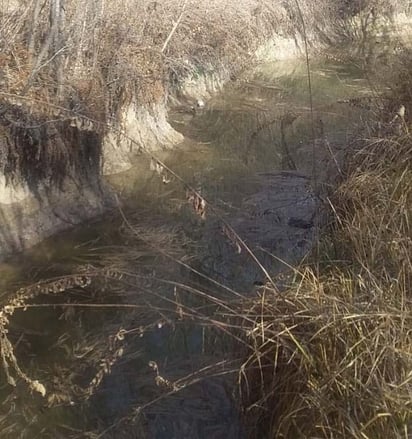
<point x="72" y="111"/>
<point x="110" y="86"/>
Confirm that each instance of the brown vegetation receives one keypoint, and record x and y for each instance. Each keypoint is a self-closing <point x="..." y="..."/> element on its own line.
<point x="117" y="53"/>
<point x="332" y="354"/>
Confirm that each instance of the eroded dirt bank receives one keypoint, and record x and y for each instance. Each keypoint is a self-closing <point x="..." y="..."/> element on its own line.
<point x="72" y="112"/>
<point x="79" y="104"/>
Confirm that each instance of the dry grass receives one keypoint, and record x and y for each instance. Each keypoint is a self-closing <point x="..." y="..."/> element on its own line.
<point x="332" y="355"/>
<point x="105" y="55"/>
<point x="111" y="53"/>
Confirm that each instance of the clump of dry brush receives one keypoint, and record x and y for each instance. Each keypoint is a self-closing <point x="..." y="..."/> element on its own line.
<point x="93" y="54"/>
<point x="332" y="355"/>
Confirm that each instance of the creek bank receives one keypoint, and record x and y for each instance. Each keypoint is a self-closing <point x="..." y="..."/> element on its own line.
<point x="30" y="214"/>
<point x="28" y="218"/>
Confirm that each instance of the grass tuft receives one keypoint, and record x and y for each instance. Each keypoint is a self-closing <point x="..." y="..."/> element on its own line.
<point x="332" y="355"/>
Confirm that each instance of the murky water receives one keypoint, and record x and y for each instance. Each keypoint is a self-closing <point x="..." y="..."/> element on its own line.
<point x="126" y="356"/>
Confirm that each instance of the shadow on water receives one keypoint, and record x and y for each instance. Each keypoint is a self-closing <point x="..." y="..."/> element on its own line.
<point x="108" y="368"/>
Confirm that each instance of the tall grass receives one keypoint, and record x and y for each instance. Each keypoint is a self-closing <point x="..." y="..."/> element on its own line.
<point x="332" y="356"/>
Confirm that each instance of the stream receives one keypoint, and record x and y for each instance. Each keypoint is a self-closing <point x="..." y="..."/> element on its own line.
<point x="254" y="152"/>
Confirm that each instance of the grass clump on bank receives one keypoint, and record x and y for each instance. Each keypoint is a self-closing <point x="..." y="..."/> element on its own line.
<point x="332" y="354"/>
<point x="95" y="55"/>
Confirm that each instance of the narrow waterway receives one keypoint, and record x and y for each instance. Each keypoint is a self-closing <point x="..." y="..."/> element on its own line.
<point x="254" y="152"/>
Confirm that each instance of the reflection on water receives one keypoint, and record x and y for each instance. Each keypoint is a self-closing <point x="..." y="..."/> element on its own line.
<point x="261" y="123"/>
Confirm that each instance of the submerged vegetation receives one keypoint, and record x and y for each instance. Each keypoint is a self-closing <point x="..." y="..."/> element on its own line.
<point x="324" y="350"/>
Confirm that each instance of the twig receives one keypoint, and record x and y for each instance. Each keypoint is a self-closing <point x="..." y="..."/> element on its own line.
<point x="174" y="27"/>
<point x="312" y="119"/>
